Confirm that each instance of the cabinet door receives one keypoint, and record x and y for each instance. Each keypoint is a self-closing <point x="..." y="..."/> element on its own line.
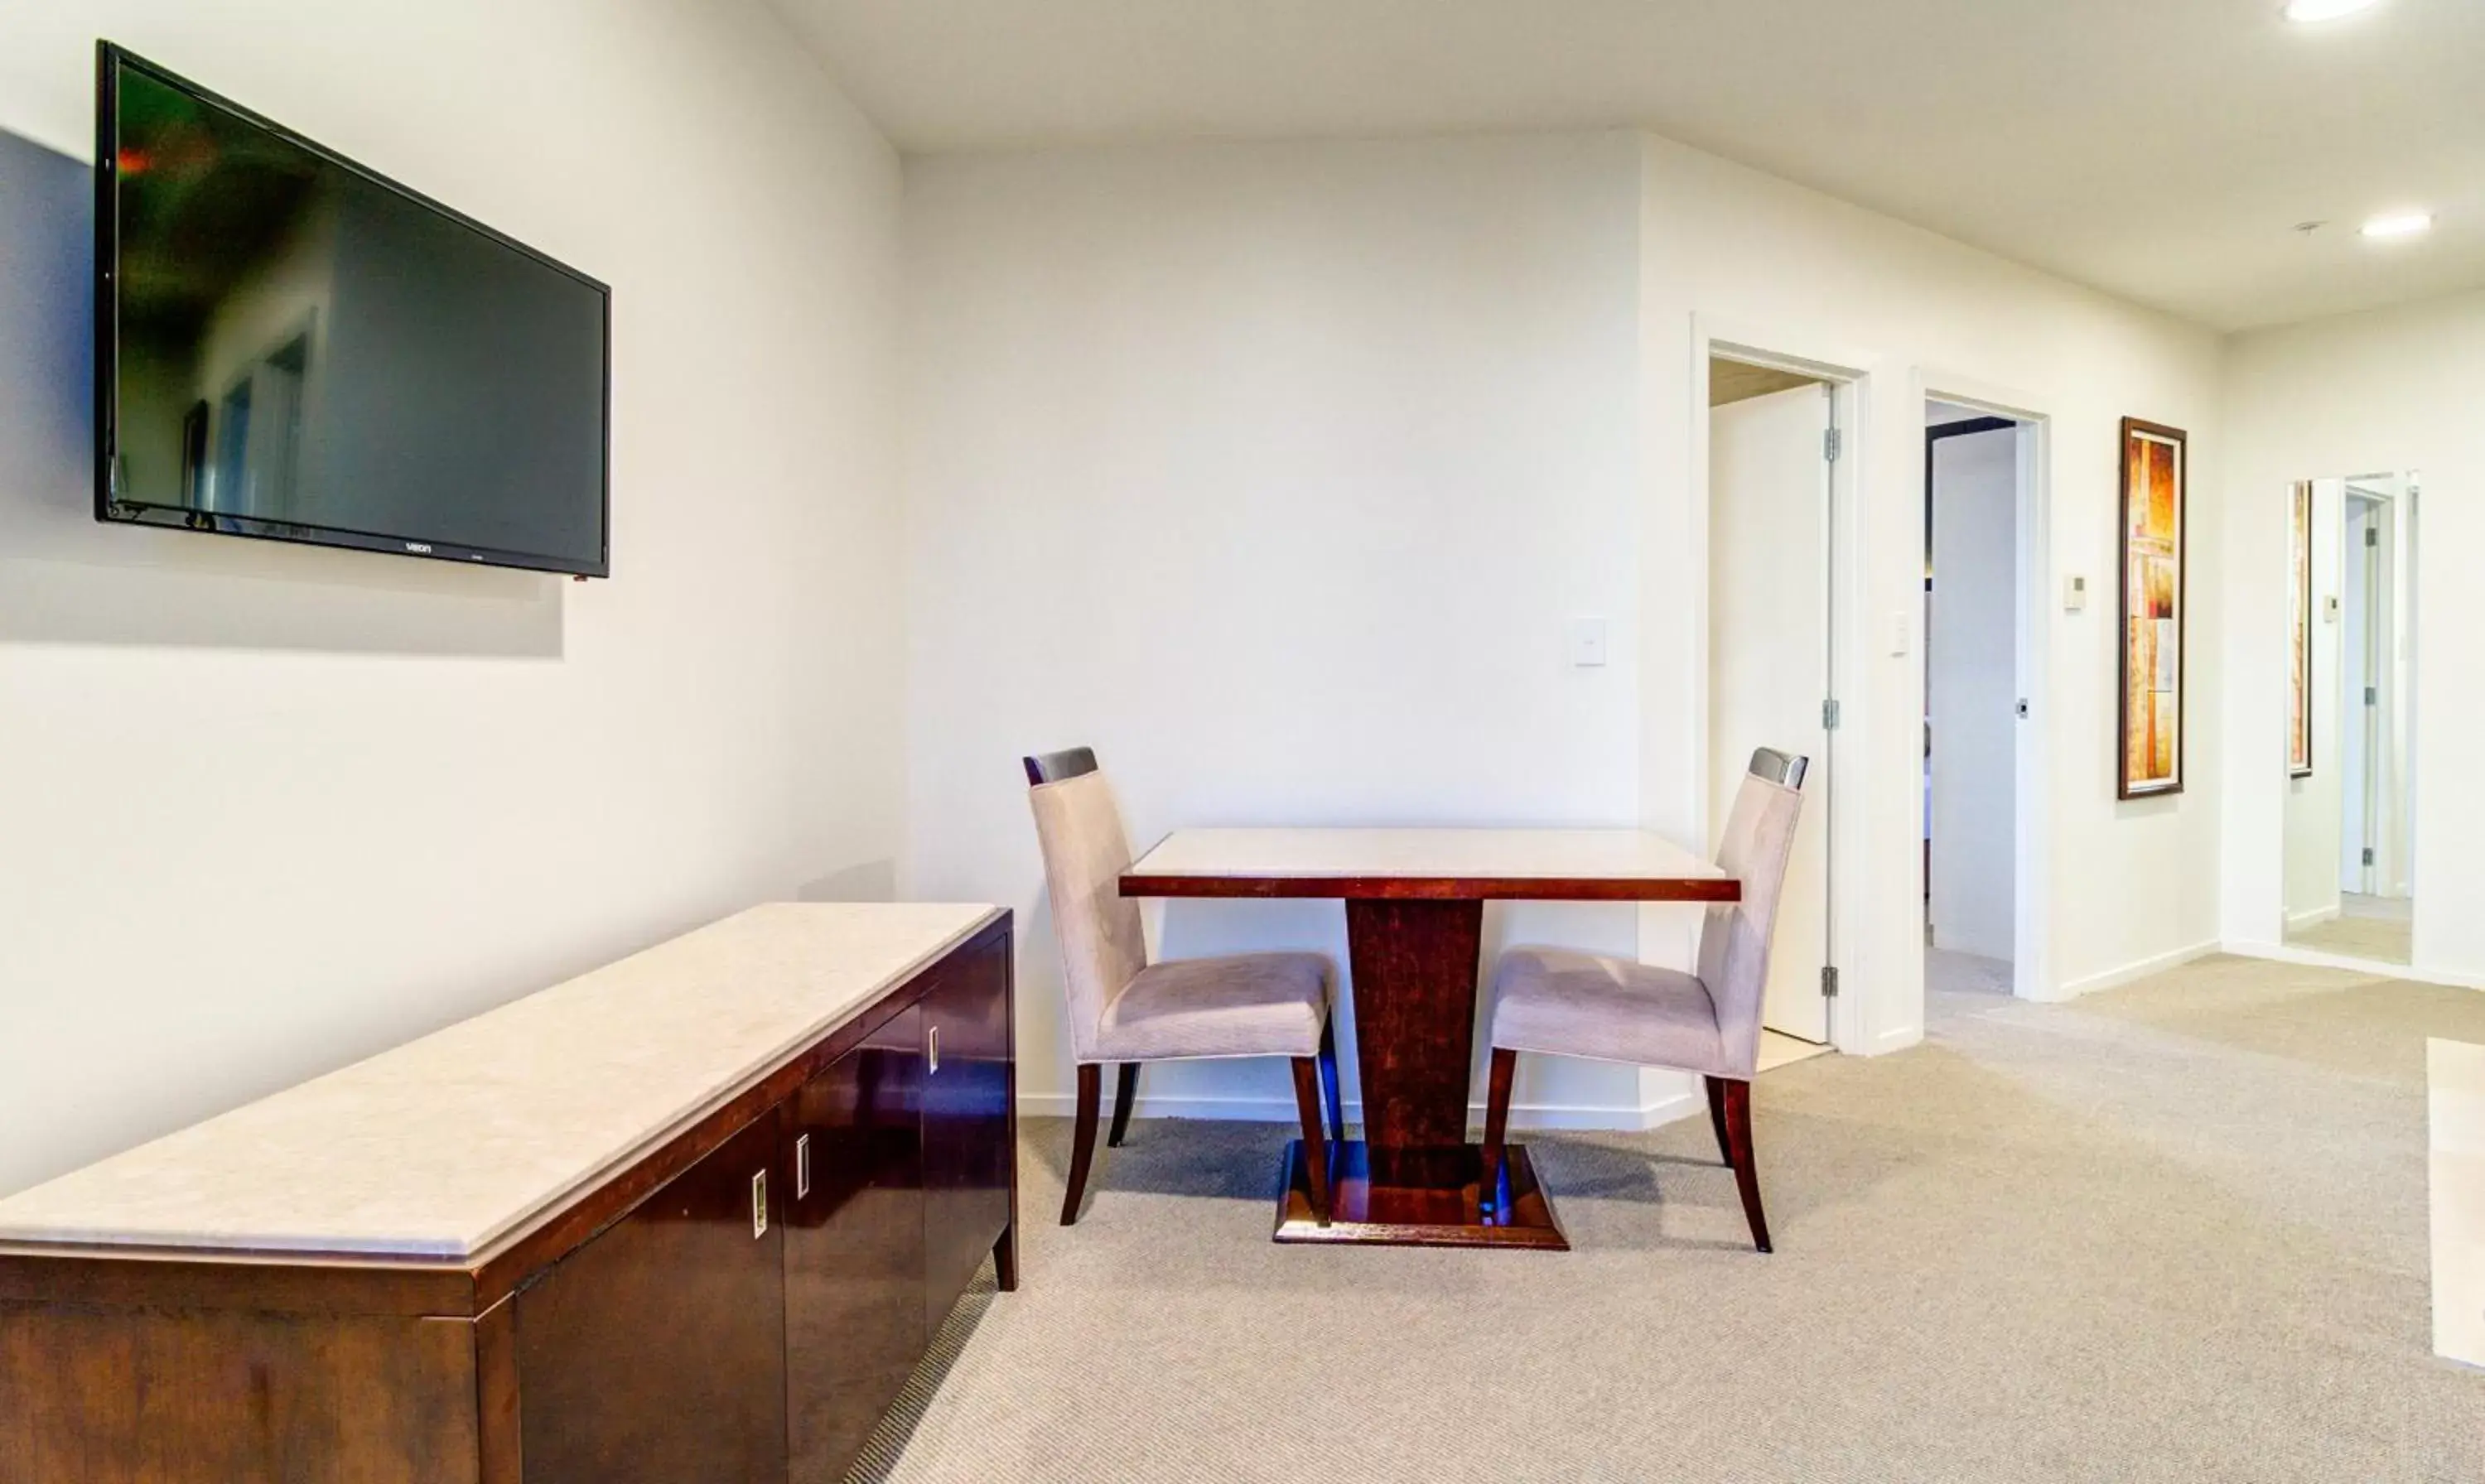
<point x="656" y="1352"/>
<point x="968" y="1153"/>
<point x="854" y="1245"/>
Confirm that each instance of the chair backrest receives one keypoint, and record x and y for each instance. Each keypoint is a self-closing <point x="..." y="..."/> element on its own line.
<point x="1734" y="941"/>
<point x="1768" y="763"/>
<point x="1054" y="767"/>
<point x="1085" y="852"/>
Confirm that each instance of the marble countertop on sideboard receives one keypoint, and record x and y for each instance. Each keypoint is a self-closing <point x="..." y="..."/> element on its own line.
<point x="441" y="1146"/>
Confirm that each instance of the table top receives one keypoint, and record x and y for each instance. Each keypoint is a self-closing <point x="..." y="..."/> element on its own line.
<point x="1568" y="865"/>
<point x="441" y="1146"/>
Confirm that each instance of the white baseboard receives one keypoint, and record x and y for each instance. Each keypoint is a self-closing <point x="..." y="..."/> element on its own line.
<point x="2424" y="974"/>
<point x="2131" y="973"/>
<point x="1278" y="1109"/>
<point x="2311" y="958"/>
<point x="2313" y="919"/>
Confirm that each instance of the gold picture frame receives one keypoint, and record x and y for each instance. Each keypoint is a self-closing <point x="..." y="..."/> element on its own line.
<point x="2154" y="489"/>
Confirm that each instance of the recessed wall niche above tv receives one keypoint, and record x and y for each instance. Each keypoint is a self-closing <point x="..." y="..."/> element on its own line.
<point x="292" y="347"/>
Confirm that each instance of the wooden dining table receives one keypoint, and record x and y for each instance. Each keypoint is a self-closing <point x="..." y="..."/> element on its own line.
<point x="1414" y="925"/>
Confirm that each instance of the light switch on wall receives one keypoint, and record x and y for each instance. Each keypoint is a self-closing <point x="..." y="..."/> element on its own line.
<point x="1587" y="642"/>
<point x="1901" y="635"/>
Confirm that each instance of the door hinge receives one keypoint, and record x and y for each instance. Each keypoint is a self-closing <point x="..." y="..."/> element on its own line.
<point x="1829" y="980"/>
<point x="2023" y="710"/>
<point x="1834" y="443"/>
<point x="1829" y="715"/>
<point x="2372" y="695"/>
<point x="2368" y="855"/>
<point x="2372" y="536"/>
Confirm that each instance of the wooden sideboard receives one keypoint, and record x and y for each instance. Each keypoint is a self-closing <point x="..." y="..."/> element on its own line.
<point x="740" y="1299"/>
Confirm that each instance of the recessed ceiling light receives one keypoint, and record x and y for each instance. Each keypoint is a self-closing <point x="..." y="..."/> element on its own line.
<point x="2399" y="223"/>
<point x="2309" y="11"/>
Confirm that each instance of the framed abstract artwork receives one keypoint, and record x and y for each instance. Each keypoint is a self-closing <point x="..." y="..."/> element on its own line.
<point x="2153" y="490"/>
<point x="2299" y="629"/>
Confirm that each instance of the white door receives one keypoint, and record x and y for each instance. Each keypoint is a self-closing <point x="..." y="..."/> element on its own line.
<point x="1768" y="656"/>
<point x="1971" y="690"/>
<point x="2358" y="692"/>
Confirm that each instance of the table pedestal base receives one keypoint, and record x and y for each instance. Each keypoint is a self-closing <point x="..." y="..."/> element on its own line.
<point x="1417" y="1198"/>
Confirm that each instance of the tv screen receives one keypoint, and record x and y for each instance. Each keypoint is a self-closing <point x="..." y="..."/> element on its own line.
<point x="292" y="347"/>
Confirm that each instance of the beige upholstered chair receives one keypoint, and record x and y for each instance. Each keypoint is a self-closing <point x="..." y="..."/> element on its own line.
<point x="1124" y="1010"/>
<point x="1573" y="1004"/>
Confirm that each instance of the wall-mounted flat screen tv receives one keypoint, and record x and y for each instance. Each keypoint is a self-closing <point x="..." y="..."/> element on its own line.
<point x="291" y="347"/>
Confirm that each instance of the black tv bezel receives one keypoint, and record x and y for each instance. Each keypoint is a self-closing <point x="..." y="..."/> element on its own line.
<point x="110" y="59"/>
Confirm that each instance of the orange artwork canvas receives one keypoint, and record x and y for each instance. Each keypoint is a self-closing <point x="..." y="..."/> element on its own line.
<point x="2151" y="751"/>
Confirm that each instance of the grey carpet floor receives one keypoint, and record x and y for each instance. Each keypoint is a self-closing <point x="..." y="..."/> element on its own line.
<point x="2176" y="1231"/>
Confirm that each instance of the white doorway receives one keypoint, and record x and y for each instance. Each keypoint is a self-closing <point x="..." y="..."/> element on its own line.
<point x="1772" y="443"/>
<point x="1977" y="470"/>
<point x="2349" y="877"/>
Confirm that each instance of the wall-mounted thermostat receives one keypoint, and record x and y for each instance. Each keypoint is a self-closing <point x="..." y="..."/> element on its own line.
<point x="2075" y="594"/>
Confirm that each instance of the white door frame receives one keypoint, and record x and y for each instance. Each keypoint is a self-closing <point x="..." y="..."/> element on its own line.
<point x="1849" y="376"/>
<point x="2407" y="528"/>
<point x="2376" y="624"/>
<point x="2387" y="613"/>
<point x="2032" y="961"/>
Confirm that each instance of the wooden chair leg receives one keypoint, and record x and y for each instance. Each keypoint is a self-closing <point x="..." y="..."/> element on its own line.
<point x="1082" y="1138"/>
<point x="1496" y="1125"/>
<point x="1308" y="1102"/>
<point x="1005" y="1260"/>
<point x="1717" y="1116"/>
<point x="1329" y="1083"/>
<point x="1125" y="1094"/>
<point x="1739" y="1153"/>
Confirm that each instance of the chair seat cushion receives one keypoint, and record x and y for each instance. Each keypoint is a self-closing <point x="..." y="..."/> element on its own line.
<point x="1249" y="1004"/>
<point x="1575" y="1004"/>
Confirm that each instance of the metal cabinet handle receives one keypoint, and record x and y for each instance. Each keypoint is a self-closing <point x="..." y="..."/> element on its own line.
<point x="759" y="1205"/>
<point x="802" y="1167"/>
<point x="936" y="1048"/>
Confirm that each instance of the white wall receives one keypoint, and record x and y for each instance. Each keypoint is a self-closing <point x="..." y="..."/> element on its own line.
<point x="1972" y="687"/>
<point x="2391" y="390"/>
<point x="1273" y="470"/>
<point x="1737" y="253"/>
<point x="1274" y="473"/>
<point x="268" y="809"/>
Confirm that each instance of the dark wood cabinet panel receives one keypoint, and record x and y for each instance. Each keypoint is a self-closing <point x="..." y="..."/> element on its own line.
<point x="656" y="1352"/>
<point x="640" y="1333"/>
<point x="854" y="1245"/>
<point x="167" y="1396"/>
<point x="970" y="1151"/>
